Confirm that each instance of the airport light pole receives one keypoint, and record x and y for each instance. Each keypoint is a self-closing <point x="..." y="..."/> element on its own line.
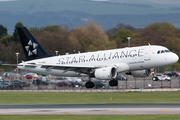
<point x="56" y="53"/>
<point x="129" y="38"/>
<point x="17" y="64"/>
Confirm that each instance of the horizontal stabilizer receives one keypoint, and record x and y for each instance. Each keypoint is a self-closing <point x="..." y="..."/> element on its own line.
<point x="9" y="64"/>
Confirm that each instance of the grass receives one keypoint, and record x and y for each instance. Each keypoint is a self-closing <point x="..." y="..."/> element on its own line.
<point x="131" y="97"/>
<point x="137" y="97"/>
<point x="89" y="117"/>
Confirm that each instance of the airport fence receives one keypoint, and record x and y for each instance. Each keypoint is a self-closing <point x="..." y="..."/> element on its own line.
<point x="132" y="84"/>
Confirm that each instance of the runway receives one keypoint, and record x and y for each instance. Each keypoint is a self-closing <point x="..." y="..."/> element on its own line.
<point x="91" y="109"/>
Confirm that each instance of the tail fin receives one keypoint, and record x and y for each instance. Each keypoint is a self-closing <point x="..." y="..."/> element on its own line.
<point x="32" y="48"/>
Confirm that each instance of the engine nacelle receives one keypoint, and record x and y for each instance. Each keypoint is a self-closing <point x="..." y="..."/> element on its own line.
<point x="105" y="73"/>
<point x="141" y="73"/>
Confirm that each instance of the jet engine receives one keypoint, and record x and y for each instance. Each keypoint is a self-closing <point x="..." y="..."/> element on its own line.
<point x="140" y="73"/>
<point x="106" y="73"/>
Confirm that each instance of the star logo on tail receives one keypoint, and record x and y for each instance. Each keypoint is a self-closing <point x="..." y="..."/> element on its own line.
<point x="31" y="48"/>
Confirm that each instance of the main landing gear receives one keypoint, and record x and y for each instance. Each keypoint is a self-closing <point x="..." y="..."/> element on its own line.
<point x="113" y="83"/>
<point x="89" y="84"/>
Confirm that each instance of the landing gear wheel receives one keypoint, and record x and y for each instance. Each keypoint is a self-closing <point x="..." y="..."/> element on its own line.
<point x="113" y="83"/>
<point x="89" y="84"/>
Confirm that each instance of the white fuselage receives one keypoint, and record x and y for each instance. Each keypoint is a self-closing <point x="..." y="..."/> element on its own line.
<point x="125" y="59"/>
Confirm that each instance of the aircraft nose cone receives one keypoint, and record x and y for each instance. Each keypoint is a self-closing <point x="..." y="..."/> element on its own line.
<point x="175" y="58"/>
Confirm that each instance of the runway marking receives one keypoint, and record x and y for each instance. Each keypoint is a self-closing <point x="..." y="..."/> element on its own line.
<point x="66" y="113"/>
<point x="163" y="110"/>
<point x="116" y="111"/>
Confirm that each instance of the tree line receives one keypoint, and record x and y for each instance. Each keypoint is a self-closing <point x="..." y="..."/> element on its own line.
<point x="91" y="37"/>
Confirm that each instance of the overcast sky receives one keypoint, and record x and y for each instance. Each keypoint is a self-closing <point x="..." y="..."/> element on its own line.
<point x="146" y="1"/>
<point x="177" y="2"/>
<point x="7" y="0"/>
<point x="166" y="1"/>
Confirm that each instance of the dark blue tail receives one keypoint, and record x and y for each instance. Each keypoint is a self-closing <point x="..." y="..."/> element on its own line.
<point x="32" y="48"/>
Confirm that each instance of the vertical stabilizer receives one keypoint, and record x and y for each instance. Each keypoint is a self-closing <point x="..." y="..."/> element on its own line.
<point x="32" y="48"/>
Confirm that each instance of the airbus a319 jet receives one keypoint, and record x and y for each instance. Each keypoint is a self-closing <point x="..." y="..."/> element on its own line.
<point x="103" y="65"/>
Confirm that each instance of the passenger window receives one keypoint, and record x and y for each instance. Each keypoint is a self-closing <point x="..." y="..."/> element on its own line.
<point x="162" y="51"/>
<point x="158" y="52"/>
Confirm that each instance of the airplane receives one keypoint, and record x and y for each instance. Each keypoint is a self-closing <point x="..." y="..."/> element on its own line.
<point x="103" y="65"/>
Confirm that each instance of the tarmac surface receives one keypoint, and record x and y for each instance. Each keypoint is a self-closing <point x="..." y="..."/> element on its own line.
<point x="90" y="109"/>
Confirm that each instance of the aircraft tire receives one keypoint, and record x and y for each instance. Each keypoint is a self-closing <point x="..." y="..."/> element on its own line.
<point x="89" y="85"/>
<point x="113" y="83"/>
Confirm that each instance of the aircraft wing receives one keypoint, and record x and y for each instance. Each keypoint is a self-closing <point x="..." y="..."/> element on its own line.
<point x="66" y="68"/>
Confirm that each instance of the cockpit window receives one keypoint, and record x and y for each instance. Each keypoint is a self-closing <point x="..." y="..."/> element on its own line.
<point x="167" y="51"/>
<point x="162" y="51"/>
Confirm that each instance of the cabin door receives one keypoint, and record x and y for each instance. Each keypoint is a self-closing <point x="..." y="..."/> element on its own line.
<point x="147" y="53"/>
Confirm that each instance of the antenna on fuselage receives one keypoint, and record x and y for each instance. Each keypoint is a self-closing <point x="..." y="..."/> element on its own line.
<point x="149" y="44"/>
